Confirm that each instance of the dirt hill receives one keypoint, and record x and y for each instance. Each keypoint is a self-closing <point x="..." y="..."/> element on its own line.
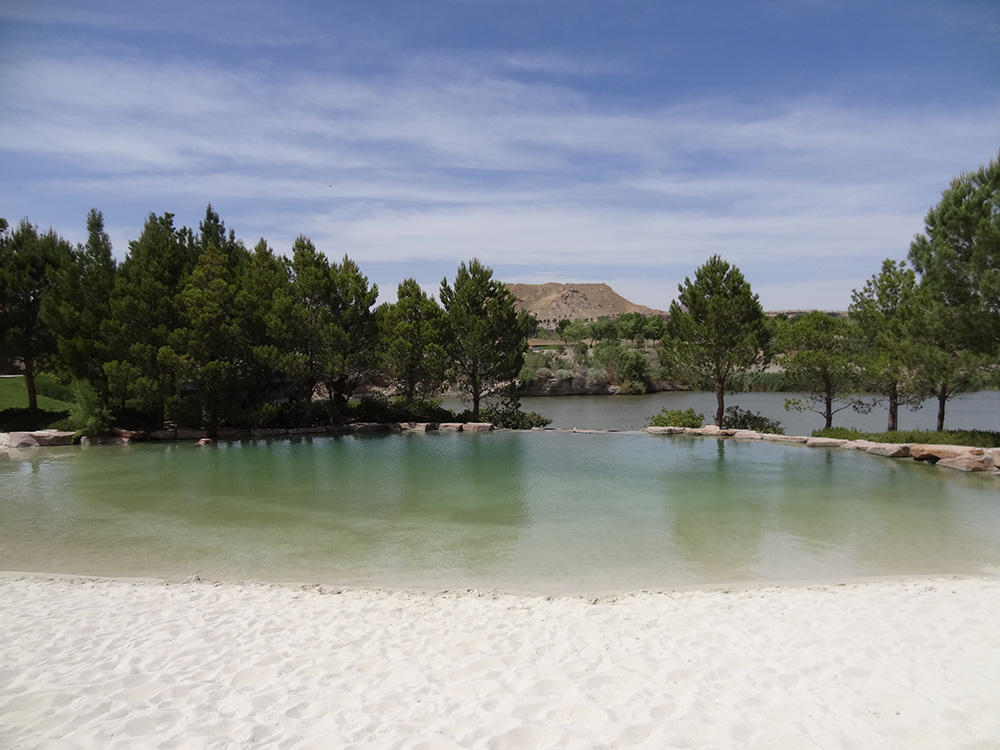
<point x="552" y="302"/>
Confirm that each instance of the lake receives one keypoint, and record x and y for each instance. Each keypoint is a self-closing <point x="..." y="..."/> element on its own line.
<point x="547" y="512"/>
<point x="970" y="411"/>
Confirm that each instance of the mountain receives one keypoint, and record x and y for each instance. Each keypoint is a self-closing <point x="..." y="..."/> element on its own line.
<point x="552" y="302"/>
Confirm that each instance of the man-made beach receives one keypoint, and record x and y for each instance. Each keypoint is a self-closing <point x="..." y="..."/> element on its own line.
<point x="115" y="663"/>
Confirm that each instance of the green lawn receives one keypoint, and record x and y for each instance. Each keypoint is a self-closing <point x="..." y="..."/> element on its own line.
<point x="14" y="405"/>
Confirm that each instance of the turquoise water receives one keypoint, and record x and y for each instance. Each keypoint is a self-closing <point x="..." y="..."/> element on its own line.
<point x="547" y="512"/>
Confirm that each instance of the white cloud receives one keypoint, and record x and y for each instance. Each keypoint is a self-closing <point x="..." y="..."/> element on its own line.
<point x="440" y="160"/>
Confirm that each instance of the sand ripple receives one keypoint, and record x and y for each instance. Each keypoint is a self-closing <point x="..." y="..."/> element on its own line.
<point x="115" y="664"/>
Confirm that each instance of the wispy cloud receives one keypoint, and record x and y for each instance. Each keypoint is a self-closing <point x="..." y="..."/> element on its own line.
<point x="439" y="157"/>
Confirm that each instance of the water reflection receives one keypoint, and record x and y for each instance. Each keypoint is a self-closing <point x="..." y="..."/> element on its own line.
<point x="541" y="511"/>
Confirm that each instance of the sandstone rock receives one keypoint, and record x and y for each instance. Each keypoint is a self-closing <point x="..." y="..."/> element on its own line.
<point x="39" y="439"/>
<point x="418" y="426"/>
<point x="968" y="462"/>
<point x="478" y="427"/>
<point x="709" y="429"/>
<point x="747" y="435"/>
<point x="784" y="438"/>
<point x="133" y="436"/>
<point x="935" y="453"/>
<point x="858" y="445"/>
<point x="663" y="430"/>
<point x="21" y="440"/>
<point x="163" y="435"/>
<point x="821" y="442"/>
<point x="890" y="450"/>
<point x="450" y="426"/>
<point x="319" y="430"/>
<point x="268" y="431"/>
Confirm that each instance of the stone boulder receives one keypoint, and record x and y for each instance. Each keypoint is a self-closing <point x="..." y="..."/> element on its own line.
<point x="663" y="430"/>
<point x="163" y="435"/>
<point x="269" y="432"/>
<point x="784" y="438"/>
<point x="821" y="442"/>
<point x="935" y="453"/>
<point x="890" y="450"/>
<point x="418" y="426"/>
<point x="39" y="439"/>
<point x="478" y="427"/>
<point x="975" y="459"/>
<point x="709" y="429"/>
<point x="858" y="445"/>
<point x="747" y="435"/>
<point x="451" y="426"/>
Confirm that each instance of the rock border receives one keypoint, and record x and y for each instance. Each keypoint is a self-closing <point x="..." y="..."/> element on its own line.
<point x="45" y="438"/>
<point x="961" y="457"/>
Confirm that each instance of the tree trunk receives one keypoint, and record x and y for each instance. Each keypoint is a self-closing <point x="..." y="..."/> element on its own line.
<point x="942" y="399"/>
<point x="720" y="400"/>
<point x="893" y="408"/>
<point x="828" y="410"/>
<point x="29" y="383"/>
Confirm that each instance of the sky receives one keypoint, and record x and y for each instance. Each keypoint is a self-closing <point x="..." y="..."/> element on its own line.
<point x="556" y="140"/>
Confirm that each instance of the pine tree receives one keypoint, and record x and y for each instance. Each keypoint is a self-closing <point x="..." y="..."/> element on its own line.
<point x="716" y="328"/>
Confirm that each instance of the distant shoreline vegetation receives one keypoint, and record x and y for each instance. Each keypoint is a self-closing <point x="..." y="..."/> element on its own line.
<point x="194" y="329"/>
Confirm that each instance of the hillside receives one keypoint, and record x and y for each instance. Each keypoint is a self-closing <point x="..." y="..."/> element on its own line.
<point x="552" y="302"/>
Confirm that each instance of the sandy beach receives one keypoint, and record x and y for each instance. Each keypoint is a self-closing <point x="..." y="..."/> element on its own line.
<point x="125" y="664"/>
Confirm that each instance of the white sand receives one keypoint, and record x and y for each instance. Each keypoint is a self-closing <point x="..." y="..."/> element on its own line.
<point x="106" y="664"/>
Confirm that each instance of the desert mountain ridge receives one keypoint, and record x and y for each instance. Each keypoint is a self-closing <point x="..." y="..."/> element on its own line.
<point x="553" y="302"/>
<point x="556" y="301"/>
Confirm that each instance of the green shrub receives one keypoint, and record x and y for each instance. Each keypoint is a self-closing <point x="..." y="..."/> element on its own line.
<point x="971" y="438"/>
<point x="48" y="386"/>
<point x="87" y="415"/>
<point x="736" y="418"/>
<point x="597" y="377"/>
<point x="512" y="419"/>
<point x="677" y="418"/>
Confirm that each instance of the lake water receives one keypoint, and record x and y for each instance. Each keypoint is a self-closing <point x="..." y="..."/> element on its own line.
<point x="971" y="411"/>
<point x="547" y="512"/>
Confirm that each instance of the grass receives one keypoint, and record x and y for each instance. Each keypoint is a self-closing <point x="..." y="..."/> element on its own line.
<point x="972" y="438"/>
<point x="14" y="413"/>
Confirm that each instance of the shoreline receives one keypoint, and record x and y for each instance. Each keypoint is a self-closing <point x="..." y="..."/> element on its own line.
<point x="121" y="663"/>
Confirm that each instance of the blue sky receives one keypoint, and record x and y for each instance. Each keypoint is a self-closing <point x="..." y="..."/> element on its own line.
<point x="558" y="140"/>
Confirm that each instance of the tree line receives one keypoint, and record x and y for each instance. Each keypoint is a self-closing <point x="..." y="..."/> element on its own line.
<point x="194" y="328"/>
<point x="929" y="329"/>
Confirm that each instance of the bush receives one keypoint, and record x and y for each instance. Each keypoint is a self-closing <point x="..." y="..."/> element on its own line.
<point x="971" y="438"/>
<point x="677" y="418"/>
<point x="48" y="386"/>
<point x="597" y="377"/>
<point x="512" y="419"/>
<point x="378" y="408"/>
<point x="87" y="415"/>
<point x="736" y="418"/>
